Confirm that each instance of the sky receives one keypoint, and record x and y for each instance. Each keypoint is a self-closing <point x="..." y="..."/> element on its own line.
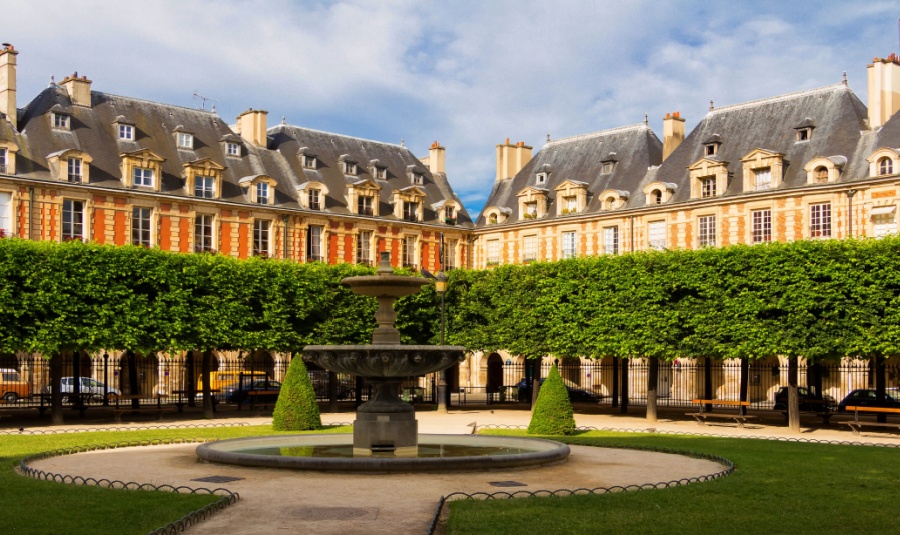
<point x="469" y="74"/>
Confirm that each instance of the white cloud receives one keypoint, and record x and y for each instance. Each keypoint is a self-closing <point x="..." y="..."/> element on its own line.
<point x="466" y="73"/>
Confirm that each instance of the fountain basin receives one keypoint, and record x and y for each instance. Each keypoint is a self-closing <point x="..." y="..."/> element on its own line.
<point x="386" y="360"/>
<point x="333" y="453"/>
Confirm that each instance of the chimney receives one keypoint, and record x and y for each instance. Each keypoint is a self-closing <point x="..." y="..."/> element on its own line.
<point x="673" y="133"/>
<point x="251" y="125"/>
<point x="512" y="158"/>
<point x="884" y="90"/>
<point x="437" y="159"/>
<point x="8" y="83"/>
<point x="79" y="89"/>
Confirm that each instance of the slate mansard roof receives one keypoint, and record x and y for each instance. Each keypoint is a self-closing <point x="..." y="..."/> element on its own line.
<point x="92" y="131"/>
<point x="633" y="149"/>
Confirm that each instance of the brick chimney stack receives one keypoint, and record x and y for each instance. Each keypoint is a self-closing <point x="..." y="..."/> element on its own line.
<point x="884" y="89"/>
<point x="252" y="126"/>
<point x="79" y="89"/>
<point x="8" y="83"/>
<point x="437" y="159"/>
<point x="673" y="133"/>
<point x="512" y="158"/>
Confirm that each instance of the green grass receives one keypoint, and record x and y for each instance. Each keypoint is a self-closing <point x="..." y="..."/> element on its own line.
<point x="40" y="507"/>
<point x="777" y="487"/>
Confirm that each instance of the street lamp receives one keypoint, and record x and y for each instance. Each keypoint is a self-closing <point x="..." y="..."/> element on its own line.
<point x="440" y="286"/>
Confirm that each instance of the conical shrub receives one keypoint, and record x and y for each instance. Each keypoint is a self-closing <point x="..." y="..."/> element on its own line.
<point x="552" y="413"/>
<point x="296" y="408"/>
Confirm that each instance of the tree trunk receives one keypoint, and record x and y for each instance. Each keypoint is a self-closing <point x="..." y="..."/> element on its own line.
<point x="536" y="380"/>
<point x="880" y="386"/>
<point x="624" y="404"/>
<point x="652" y="382"/>
<point x="793" y="397"/>
<point x="133" y="384"/>
<point x="615" y="382"/>
<point x="190" y="382"/>
<point x="205" y="368"/>
<point x="56" y="407"/>
<point x="745" y="377"/>
<point x="707" y="382"/>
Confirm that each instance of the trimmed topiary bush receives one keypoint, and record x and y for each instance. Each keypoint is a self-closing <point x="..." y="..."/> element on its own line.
<point x="552" y="413"/>
<point x="296" y="408"/>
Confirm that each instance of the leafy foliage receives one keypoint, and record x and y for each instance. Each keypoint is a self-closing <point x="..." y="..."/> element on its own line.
<point x="552" y="413"/>
<point x="296" y="408"/>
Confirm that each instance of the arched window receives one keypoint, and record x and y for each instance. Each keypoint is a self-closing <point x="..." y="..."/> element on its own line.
<point x="656" y="196"/>
<point x="609" y="203"/>
<point x="821" y="174"/>
<point x="885" y="166"/>
<point x="492" y="219"/>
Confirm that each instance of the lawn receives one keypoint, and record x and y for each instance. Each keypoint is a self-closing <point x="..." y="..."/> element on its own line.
<point x="40" y="507"/>
<point x="777" y="487"/>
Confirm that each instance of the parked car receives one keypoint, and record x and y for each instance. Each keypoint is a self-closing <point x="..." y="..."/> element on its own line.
<point x="576" y="393"/>
<point x="868" y="397"/>
<point x="87" y="385"/>
<point x="808" y="400"/>
<point x="266" y="390"/>
<point x="12" y="386"/>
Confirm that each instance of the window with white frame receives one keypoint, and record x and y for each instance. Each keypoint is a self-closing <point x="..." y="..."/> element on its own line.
<point x="493" y="252"/>
<point x="364" y="205"/>
<point x="529" y="248"/>
<point x="761" y="226"/>
<point x="418" y="179"/>
<point x="204" y="187"/>
<point x="5" y="214"/>
<point x="656" y="233"/>
<point x="261" y="242"/>
<point x="232" y="149"/>
<point x="140" y="226"/>
<point x="309" y="162"/>
<point x="2" y="160"/>
<point x="568" y="244"/>
<point x="185" y="140"/>
<point x="531" y="210"/>
<point x="450" y="254"/>
<point x="349" y="168"/>
<point x="126" y="132"/>
<point x="409" y="251"/>
<point x="493" y="219"/>
<point x="72" y="220"/>
<point x="203" y="233"/>
<point x="884" y="224"/>
<point x="142" y="176"/>
<point x="607" y="167"/>
<point x="262" y="193"/>
<point x="449" y="215"/>
<point x="656" y="197"/>
<point x="315" y="199"/>
<point x="540" y="178"/>
<point x="364" y="247"/>
<point x="410" y="211"/>
<point x="820" y="175"/>
<point x="707" y="187"/>
<point x="711" y="149"/>
<point x="762" y="178"/>
<point x="74" y="165"/>
<point x="570" y="204"/>
<point x="611" y="240"/>
<point x="314" y="243"/>
<point x="706" y="233"/>
<point x="61" y="121"/>
<point x="381" y="173"/>
<point x="804" y="134"/>
<point x="885" y="166"/>
<point x="820" y="220"/>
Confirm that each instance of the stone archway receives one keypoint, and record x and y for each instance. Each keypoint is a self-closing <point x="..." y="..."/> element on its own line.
<point x="494" y="373"/>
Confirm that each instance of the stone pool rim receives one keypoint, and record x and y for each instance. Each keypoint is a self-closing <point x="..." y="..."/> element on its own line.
<point x="543" y="453"/>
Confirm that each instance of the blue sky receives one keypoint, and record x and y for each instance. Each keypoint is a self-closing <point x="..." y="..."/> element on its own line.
<point x="466" y="73"/>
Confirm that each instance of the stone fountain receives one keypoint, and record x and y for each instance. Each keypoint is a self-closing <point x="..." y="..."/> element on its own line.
<point x="385" y="433"/>
<point x="385" y="423"/>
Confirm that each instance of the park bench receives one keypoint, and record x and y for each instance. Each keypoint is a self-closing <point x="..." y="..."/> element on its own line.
<point x="157" y="409"/>
<point x="856" y="424"/>
<point x="704" y="415"/>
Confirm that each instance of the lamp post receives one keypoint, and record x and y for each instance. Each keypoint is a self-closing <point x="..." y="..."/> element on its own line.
<point x="440" y="286"/>
<point x="850" y="194"/>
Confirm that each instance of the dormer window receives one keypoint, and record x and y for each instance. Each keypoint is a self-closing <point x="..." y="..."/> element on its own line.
<point x="825" y="169"/>
<point x="126" y="132"/>
<point x="348" y="167"/>
<point x="141" y="176"/>
<point x="762" y="178"/>
<point x="493" y="219"/>
<point x="541" y="179"/>
<point x="607" y="167"/>
<point x="309" y="162"/>
<point x="656" y="197"/>
<point x="381" y="173"/>
<point x="418" y="179"/>
<point x="364" y="205"/>
<point x="410" y="211"/>
<point x="885" y="166"/>
<point x="530" y="210"/>
<point x="804" y="134"/>
<point x="262" y="193"/>
<point x="204" y="187"/>
<point x="707" y="187"/>
<point x="232" y="149"/>
<point x="61" y="121"/>
<point x="609" y="204"/>
<point x="820" y="174"/>
<point x="314" y="199"/>
<point x="2" y="159"/>
<point x="449" y="215"/>
<point x="184" y="140"/>
<point x="140" y="168"/>
<point x="710" y="149"/>
<point x="75" y="170"/>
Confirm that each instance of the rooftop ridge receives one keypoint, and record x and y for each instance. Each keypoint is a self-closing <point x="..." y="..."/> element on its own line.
<point x="617" y="130"/>
<point x="789" y="96"/>
<point x="395" y="145"/>
<point x="145" y="101"/>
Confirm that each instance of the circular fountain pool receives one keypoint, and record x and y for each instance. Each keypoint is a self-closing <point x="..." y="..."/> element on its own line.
<point x="436" y="453"/>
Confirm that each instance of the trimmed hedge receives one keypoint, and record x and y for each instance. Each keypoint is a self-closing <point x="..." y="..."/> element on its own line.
<point x="552" y="413"/>
<point x="296" y="408"/>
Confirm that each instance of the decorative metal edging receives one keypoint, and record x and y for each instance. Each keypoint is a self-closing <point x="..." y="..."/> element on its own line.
<point x="23" y="431"/>
<point x="178" y="526"/>
<point x="729" y="468"/>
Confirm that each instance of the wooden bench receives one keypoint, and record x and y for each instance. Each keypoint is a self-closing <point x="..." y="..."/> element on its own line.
<point x="855" y="425"/>
<point x="703" y="415"/>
